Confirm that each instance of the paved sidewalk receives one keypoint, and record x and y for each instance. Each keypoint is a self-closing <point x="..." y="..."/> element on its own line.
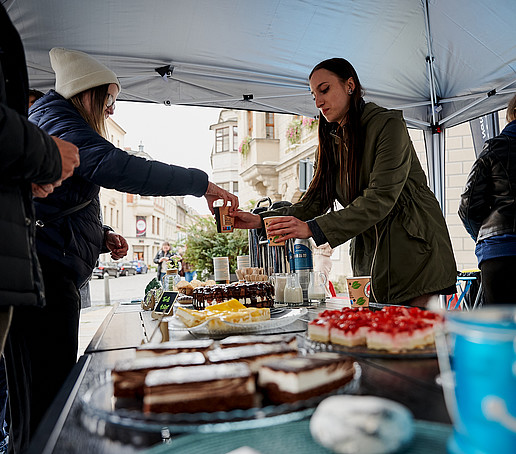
<point x="89" y="322"/>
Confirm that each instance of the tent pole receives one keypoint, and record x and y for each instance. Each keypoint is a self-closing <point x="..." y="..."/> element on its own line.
<point x="434" y="137"/>
<point x="430" y="65"/>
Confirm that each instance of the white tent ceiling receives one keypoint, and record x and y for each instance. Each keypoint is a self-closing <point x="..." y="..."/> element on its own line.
<point x="442" y="62"/>
<point x="220" y="51"/>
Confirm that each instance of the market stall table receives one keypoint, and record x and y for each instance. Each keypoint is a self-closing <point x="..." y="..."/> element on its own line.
<point x="411" y="382"/>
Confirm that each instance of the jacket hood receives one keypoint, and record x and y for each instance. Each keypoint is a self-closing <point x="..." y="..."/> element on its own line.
<point x="41" y="104"/>
<point x="371" y="110"/>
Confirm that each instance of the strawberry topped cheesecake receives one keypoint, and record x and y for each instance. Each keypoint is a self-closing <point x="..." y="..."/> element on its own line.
<point x="393" y="328"/>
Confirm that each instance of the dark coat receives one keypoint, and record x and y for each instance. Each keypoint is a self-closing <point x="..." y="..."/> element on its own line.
<point x="159" y="256"/>
<point x="76" y="240"/>
<point x="26" y="155"/>
<point x="399" y="236"/>
<point x="488" y="204"/>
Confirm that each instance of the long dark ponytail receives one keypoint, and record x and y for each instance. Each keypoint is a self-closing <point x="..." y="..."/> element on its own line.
<point x="334" y="153"/>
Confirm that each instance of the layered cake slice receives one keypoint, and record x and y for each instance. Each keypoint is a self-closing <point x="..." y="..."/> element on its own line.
<point x="349" y="333"/>
<point x="319" y="330"/>
<point x="231" y="311"/>
<point x="176" y="346"/>
<point x="239" y="341"/>
<point x="210" y="388"/>
<point x="397" y="335"/>
<point x="190" y="317"/>
<point x="253" y="355"/>
<point x="301" y="378"/>
<point x="128" y="377"/>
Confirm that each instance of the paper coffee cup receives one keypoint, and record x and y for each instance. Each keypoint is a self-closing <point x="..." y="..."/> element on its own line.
<point x="359" y="289"/>
<point x="276" y="239"/>
<point x="225" y="223"/>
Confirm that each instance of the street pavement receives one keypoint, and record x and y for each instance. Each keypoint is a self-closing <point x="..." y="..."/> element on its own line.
<point x="123" y="288"/>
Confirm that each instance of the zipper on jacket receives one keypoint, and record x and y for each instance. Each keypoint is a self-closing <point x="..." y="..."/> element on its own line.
<point x="374" y="259"/>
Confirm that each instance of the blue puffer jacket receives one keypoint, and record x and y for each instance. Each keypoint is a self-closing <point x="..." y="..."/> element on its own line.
<point x="76" y="240"/>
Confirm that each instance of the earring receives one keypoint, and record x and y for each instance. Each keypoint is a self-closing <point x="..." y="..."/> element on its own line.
<point x="350" y="92"/>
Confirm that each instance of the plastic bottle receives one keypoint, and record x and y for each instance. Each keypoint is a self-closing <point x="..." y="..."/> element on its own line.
<point x="303" y="263"/>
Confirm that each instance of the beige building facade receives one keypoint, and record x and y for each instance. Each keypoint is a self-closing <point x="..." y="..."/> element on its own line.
<point x="276" y="150"/>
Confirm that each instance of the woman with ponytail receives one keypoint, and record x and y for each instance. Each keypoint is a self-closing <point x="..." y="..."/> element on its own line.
<point x="366" y="162"/>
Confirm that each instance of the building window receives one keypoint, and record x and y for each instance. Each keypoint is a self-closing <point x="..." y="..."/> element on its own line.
<point x="235" y="138"/>
<point x="117" y="218"/>
<point x="153" y="228"/>
<point x="306" y="173"/>
<point x="269" y="125"/>
<point x="157" y="226"/>
<point x="235" y="187"/>
<point x="111" y="217"/>
<point x="222" y="139"/>
<point x="104" y="215"/>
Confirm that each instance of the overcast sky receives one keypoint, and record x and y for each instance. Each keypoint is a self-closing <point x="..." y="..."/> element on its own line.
<point x="173" y="134"/>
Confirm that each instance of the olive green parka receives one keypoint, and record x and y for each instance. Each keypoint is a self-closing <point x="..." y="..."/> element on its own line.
<point x="399" y="235"/>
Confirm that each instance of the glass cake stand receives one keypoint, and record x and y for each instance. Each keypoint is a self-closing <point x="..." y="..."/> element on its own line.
<point x="312" y="346"/>
<point x="123" y="420"/>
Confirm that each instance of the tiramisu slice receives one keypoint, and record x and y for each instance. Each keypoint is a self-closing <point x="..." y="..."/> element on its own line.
<point x="253" y="355"/>
<point x="129" y="376"/>
<point x="176" y="346"/>
<point x="210" y="388"/>
<point x="301" y="378"/>
<point x="239" y="341"/>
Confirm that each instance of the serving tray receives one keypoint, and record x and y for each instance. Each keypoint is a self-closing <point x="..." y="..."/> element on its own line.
<point x="123" y="419"/>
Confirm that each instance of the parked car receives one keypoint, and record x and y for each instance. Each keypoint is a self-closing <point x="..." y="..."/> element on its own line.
<point x="126" y="268"/>
<point x="141" y="266"/>
<point x="106" y="268"/>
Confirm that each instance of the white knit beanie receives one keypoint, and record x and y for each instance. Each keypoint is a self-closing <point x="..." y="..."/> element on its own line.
<point x="77" y="72"/>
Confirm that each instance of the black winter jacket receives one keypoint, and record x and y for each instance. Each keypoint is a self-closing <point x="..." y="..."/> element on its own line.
<point x="488" y="204"/>
<point x="159" y="256"/>
<point x="76" y="240"/>
<point x="26" y="155"/>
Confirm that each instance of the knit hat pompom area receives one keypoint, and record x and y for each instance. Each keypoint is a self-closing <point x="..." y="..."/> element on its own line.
<point x="76" y="72"/>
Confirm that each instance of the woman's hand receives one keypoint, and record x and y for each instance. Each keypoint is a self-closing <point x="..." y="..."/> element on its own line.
<point x="288" y="227"/>
<point x="246" y="220"/>
<point x="116" y="244"/>
<point x="215" y="192"/>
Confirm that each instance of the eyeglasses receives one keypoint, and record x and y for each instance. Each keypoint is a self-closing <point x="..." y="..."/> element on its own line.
<point x="110" y="101"/>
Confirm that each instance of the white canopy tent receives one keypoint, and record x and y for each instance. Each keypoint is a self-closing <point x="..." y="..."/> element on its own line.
<point x="443" y="62"/>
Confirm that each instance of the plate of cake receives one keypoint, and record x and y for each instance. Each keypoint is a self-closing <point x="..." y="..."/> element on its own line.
<point x="240" y="382"/>
<point x="232" y="317"/>
<point x="393" y="331"/>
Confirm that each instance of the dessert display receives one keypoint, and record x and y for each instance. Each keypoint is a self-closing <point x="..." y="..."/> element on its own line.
<point x="362" y="424"/>
<point x="238" y="341"/>
<point x="303" y="377"/>
<point x="393" y="328"/>
<point x="250" y="294"/>
<point x="128" y="377"/>
<point x="253" y="355"/>
<point x="231" y="311"/>
<point x="215" y="387"/>
<point x="176" y="346"/>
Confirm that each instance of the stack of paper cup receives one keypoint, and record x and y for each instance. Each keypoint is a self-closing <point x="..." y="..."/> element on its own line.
<point x="221" y="269"/>
<point x="242" y="261"/>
